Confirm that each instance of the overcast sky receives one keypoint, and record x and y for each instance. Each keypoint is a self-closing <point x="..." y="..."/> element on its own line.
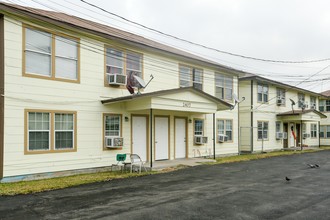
<point x="292" y="30"/>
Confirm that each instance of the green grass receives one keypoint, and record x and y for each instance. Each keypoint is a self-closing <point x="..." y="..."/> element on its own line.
<point x="26" y="187"/>
<point x="247" y="157"/>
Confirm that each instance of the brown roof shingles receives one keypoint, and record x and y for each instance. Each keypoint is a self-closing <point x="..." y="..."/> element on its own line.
<point x="105" y="31"/>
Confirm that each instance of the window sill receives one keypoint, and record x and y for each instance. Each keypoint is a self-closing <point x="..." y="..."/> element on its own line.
<point x="31" y="75"/>
<point x="49" y="151"/>
<point x="111" y="149"/>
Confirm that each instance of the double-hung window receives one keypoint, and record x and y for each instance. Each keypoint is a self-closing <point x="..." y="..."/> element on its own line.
<point x="313" y="130"/>
<point x="50" y="131"/>
<point x="112" y="125"/>
<point x="112" y="128"/>
<point x="114" y="61"/>
<point x="280" y="93"/>
<point x="123" y="63"/>
<point x="313" y="102"/>
<point x="198" y="127"/>
<point x="324" y="105"/>
<point x="262" y="93"/>
<point x="262" y="130"/>
<point x="223" y="86"/>
<point x="190" y="76"/>
<point x="225" y="127"/>
<point x="50" y="55"/>
<point x="133" y="67"/>
<point x="325" y="131"/>
<point x="64" y="131"/>
<point x="301" y="100"/>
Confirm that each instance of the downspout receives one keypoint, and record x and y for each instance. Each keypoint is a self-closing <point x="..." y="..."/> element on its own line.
<point x="2" y="92"/>
<point x="214" y="136"/>
<point x="301" y="143"/>
<point x="319" y="127"/>
<point x="151" y="139"/>
<point x="251" y="116"/>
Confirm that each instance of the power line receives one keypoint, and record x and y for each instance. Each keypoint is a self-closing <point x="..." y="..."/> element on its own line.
<point x="201" y="45"/>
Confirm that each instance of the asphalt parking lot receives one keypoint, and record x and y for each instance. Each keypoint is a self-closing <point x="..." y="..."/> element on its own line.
<point x="246" y="190"/>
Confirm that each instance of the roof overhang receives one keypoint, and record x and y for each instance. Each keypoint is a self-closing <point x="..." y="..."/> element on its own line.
<point x="186" y="99"/>
<point x="299" y="115"/>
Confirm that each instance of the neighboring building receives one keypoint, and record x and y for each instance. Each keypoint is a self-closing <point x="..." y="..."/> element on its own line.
<point x="324" y="107"/>
<point x="64" y="103"/>
<point x="269" y="120"/>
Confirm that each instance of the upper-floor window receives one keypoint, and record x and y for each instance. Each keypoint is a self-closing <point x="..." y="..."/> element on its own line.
<point x="121" y="64"/>
<point x="280" y="94"/>
<point x="226" y="127"/>
<point x="223" y="86"/>
<point x="50" y="55"/>
<point x="301" y="100"/>
<point x="324" y="105"/>
<point x="190" y="76"/>
<point x="313" y="102"/>
<point x="262" y="93"/>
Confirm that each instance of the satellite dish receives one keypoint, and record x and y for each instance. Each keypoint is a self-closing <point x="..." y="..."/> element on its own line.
<point x="141" y="82"/>
<point x="237" y="101"/>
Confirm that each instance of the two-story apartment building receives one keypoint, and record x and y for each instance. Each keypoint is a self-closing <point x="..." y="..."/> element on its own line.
<point x="324" y="107"/>
<point x="276" y="115"/>
<point x="66" y="101"/>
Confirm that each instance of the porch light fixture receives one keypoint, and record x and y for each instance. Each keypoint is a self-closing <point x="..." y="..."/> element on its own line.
<point x="190" y="121"/>
<point x="126" y="119"/>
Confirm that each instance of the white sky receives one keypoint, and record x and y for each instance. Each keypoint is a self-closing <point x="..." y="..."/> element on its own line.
<point x="294" y="30"/>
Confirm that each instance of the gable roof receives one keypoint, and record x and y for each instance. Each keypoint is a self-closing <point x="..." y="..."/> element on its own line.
<point x="251" y="76"/>
<point x="105" y="31"/>
<point x="166" y="92"/>
<point x="301" y="112"/>
<point x="326" y="93"/>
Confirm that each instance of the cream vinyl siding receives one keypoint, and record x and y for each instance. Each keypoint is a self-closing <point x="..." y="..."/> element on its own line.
<point x="84" y="98"/>
<point x="268" y="112"/>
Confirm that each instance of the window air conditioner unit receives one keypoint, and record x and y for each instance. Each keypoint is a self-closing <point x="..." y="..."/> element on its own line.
<point x="116" y="79"/>
<point x="114" y="142"/>
<point x="306" y="135"/>
<point x="198" y="140"/>
<point x="285" y="135"/>
<point x="279" y="135"/>
<point x="204" y="140"/>
<point x="222" y="138"/>
<point x="280" y="101"/>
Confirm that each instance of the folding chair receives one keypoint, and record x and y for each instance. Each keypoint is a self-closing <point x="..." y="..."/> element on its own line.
<point x="120" y="161"/>
<point x="136" y="160"/>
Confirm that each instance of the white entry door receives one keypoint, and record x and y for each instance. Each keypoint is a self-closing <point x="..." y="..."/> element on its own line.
<point x="139" y="136"/>
<point x="180" y="138"/>
<point x="161" y="138"/>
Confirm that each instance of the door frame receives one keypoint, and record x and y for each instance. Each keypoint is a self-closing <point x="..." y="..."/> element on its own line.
<point x="147" y="132"/>
<point x="186" y="126"/>
<point x="154" y="135"/>
<point x="286" y="129"/>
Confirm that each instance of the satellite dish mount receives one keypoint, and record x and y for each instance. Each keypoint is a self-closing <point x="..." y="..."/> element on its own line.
<point x="236" y="100"/>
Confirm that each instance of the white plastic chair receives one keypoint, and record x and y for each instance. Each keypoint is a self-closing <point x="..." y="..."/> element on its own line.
<point x="136" y="160"/>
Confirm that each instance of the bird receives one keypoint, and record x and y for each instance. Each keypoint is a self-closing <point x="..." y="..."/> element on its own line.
<point x="316" y="165"/>
<point x="311" y="165"/>
<point x="287" y="179"/>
